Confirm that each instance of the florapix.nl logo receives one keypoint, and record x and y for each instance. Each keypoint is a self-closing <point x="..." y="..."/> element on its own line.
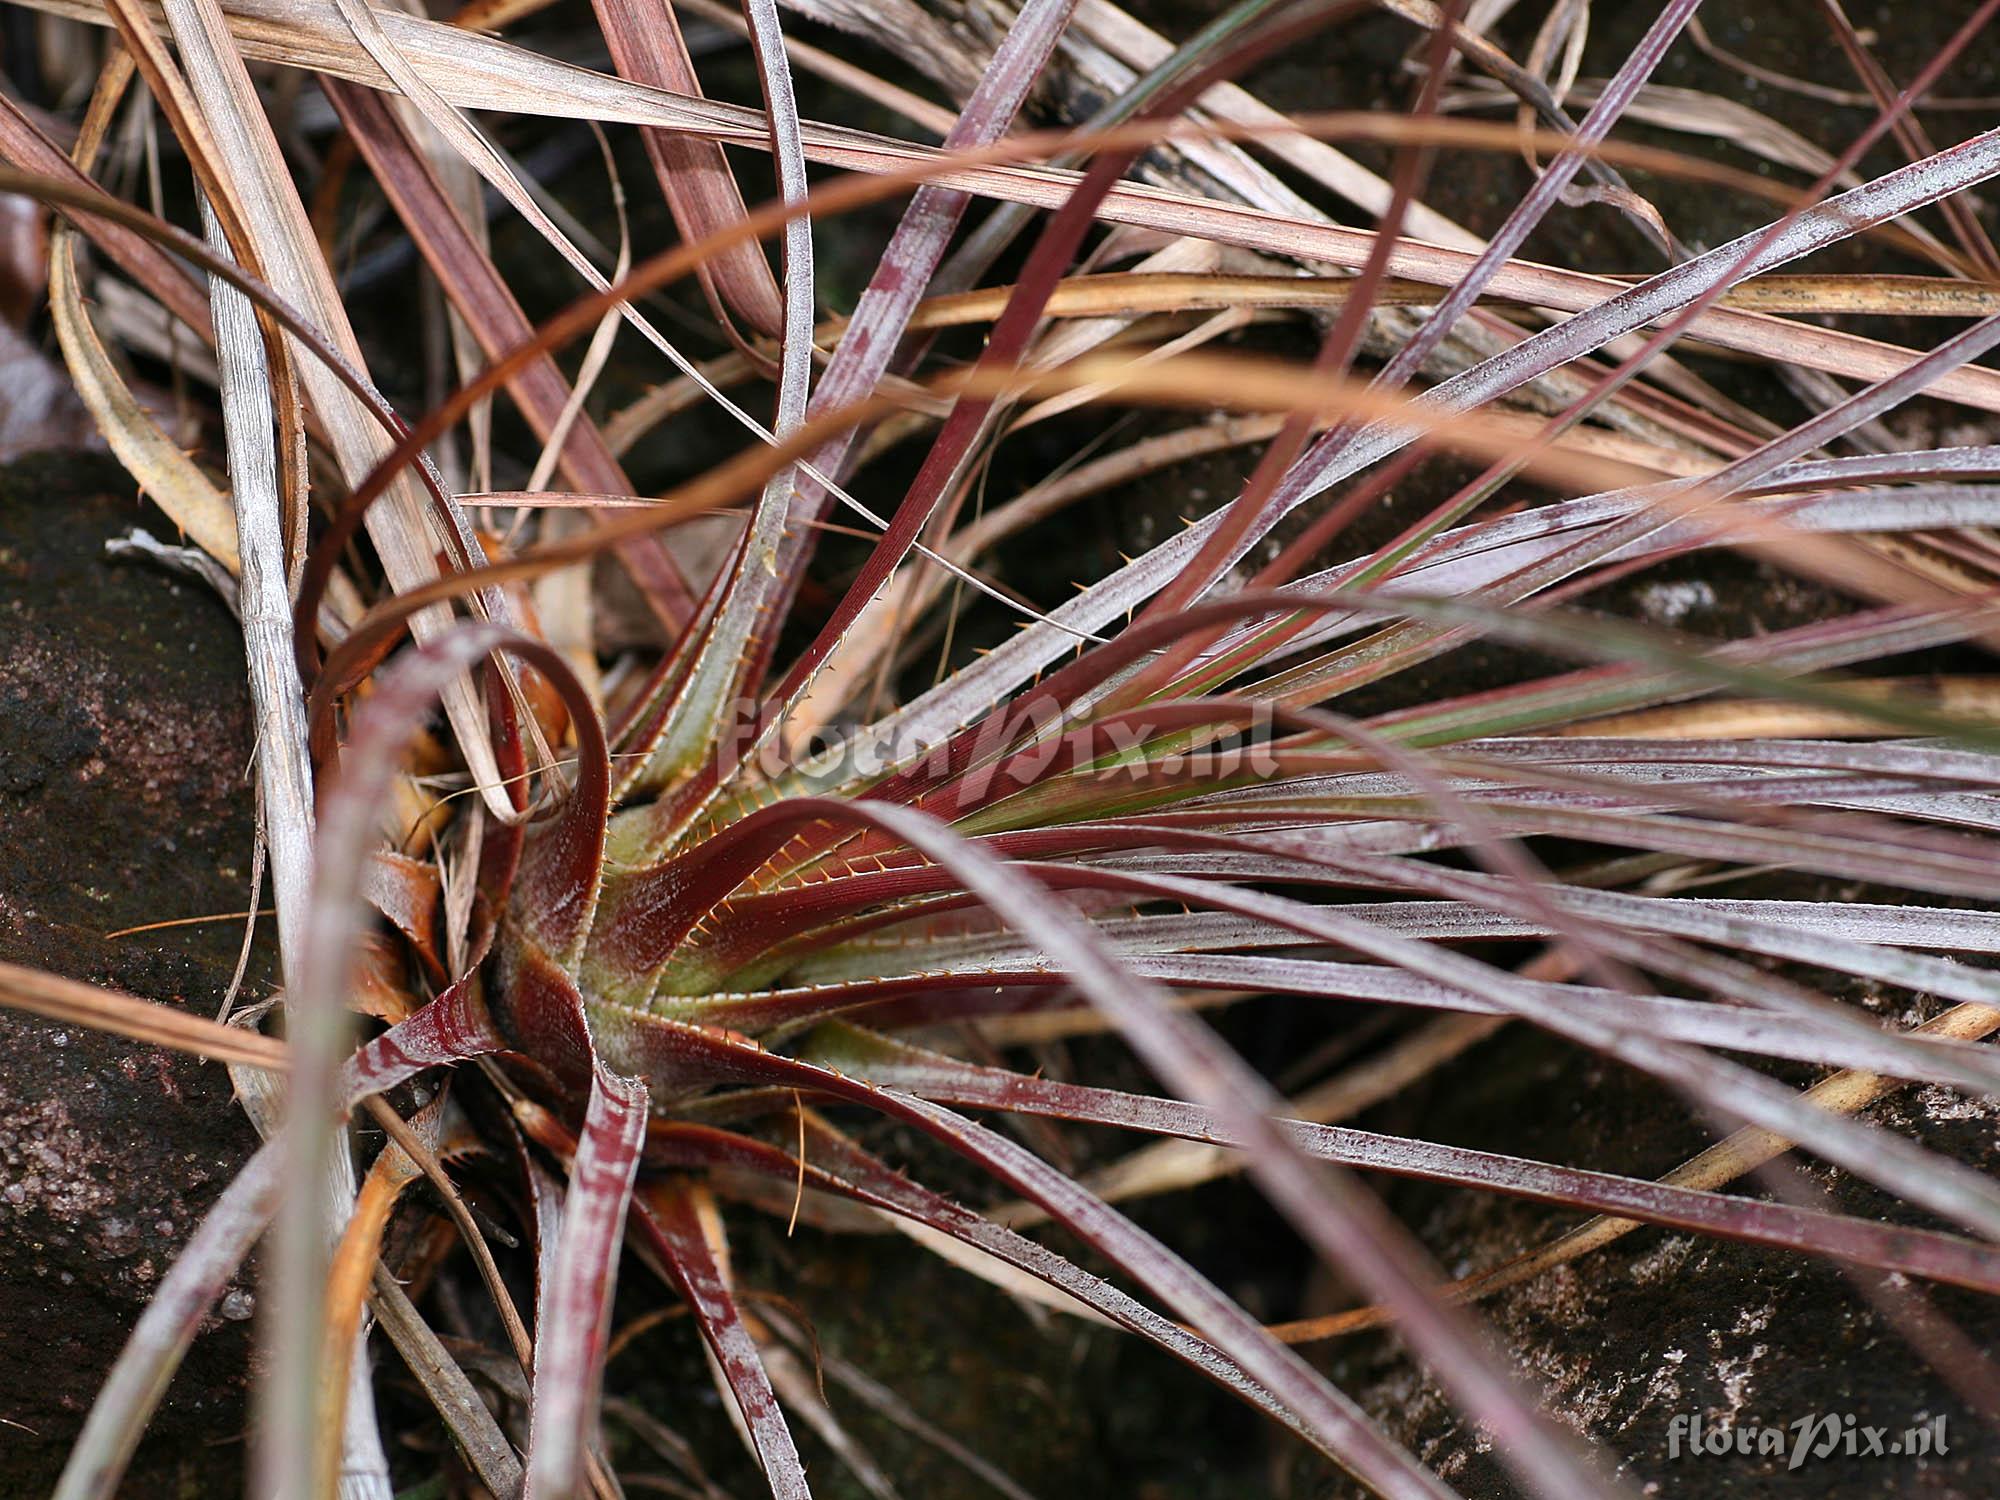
<point x="1803" y="1440"/>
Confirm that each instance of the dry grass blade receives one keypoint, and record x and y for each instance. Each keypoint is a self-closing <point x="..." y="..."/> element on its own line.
<point x="251" y="190"/>
<point x="175" y="482"/>
<point x="1971" y="698"/>
<point x="349" y="1274"/>
<point x="1132" y="293"/>
<point x="929" y="118"/>
<point x="77" y="1004"/>
<point x="496" y="321"/>
<point x="378" y="43"/>
<point x="470" y="1234"/>
<point x="456" y="1400"/>
<point x="1141" y="47"/>
<point x="477" y="72"/>
<point x="284" y="768"/>
<point x="256" y="208"/>
<point x="24" y="144"/>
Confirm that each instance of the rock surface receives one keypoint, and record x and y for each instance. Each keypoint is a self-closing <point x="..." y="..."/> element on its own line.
<point x="1663" y="1325"/>
<point x="124" y="734"/>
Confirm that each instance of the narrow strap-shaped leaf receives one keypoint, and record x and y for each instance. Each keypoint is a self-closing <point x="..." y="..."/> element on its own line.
<point x="674" y="1222"/>
<point x="835" y="1164"/>
<point x="735" y="641"/>
<point x="1251" y="515"/>
<point x="912" y="256"/>
<point x="1944" y="1185"/>
<point x="646" y="46"/>
<point x="1232" y="1347"/>
<point x="572" y="1323"/>
<point x="406" y="693"/>
<point x="1696" y="1022"/>
<point x="938" y="713"/>
<point x="1342" y="1220"/>
<point x="936" y="488"/>
<point x="948" y="1080"/>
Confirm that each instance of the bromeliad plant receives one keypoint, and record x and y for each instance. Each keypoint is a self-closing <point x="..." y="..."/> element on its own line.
<point x="700" y="916"/>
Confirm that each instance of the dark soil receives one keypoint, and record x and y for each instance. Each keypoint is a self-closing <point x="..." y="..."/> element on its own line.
<point x="124" y="733"/>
